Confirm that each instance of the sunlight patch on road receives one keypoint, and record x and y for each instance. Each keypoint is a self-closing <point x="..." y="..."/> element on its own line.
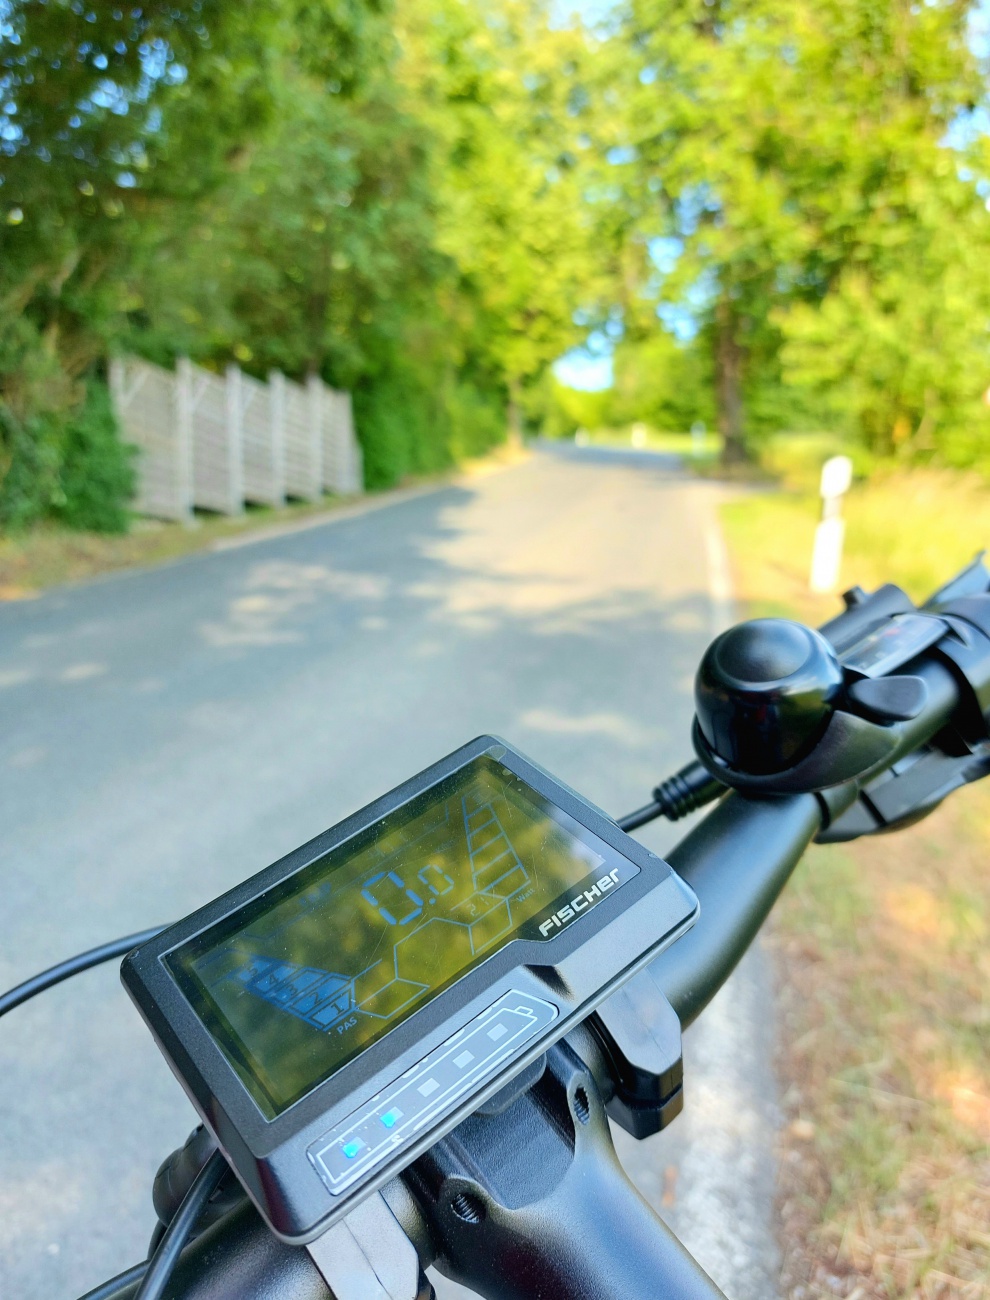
<point x="276" y="593"/>
<point x="82" y="672"/>
<point x="15" y="677"/>
<point x="591" y="724"/>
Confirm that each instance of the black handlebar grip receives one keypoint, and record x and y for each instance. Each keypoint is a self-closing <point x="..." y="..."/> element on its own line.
<point x="764" y="693"/>
<point x="737" y="860"/>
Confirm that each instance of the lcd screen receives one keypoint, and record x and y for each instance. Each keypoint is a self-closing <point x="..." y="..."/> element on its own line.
<point x="309" y="975"/>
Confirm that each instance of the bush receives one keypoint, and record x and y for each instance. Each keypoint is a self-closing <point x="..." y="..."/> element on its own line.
<point x="397" y="420"/>
<point x="411" y="420"/>
<point x="97" y="474"/>
<point x="29" y="461"/>
<point x="477" y="419"/>
<point x="36" y="398"/>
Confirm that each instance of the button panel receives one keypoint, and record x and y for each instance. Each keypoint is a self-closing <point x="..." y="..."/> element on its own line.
<point x="432" y="1087"/>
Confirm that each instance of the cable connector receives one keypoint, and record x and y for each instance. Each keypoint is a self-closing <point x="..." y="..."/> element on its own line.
<point x="686" y="791"/>
<point x="690" y="788"/>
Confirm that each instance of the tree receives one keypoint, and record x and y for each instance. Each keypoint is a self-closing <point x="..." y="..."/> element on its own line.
<point x="504" y="92"/>
<point x="106" y="115"/>
<point x="796" y="151"/>
<point x="319" y="255"/>
<point x="386" y="198"/>
<point x="663" y="381"/>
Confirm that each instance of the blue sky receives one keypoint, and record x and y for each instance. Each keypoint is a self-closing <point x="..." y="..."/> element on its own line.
<point x="580" y="368"/>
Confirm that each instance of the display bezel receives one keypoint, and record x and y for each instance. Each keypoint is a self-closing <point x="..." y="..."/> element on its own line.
<point x="269" y="1155"/>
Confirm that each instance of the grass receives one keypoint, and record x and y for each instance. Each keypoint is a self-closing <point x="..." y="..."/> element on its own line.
<point x="915" y="529"/>
<point x="883" y="957"/>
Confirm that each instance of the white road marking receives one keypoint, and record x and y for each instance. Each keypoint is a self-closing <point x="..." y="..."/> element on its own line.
<point x="719" y="574"/>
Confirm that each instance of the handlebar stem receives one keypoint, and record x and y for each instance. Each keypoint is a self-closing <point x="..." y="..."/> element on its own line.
<point x="533" y="1202"/>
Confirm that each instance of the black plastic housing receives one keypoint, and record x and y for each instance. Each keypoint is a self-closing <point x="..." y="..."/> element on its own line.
<point x="534" y="1203"/>
<point x="574" y="971"/>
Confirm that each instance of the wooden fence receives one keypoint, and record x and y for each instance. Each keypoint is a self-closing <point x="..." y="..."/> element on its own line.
<point x="218" y="442"/>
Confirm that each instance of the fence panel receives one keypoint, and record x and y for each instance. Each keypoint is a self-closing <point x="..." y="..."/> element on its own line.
<point x="213" y="472"/>
<point x="263" y="477"/>
<point x="217" y="442"/>
<point x="342" y="468"/>
<point x="302" y="469"/>
<point x="145" y="400"/>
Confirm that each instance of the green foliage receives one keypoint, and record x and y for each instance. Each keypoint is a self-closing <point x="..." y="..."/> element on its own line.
<point x="428" y="202"/>
<point x="30" y="468"/>
<point x="504" y="94"/>
<point x="96" y="474"/>
<point x="663" y="382"/>
<point x="35" y="400"/>
<point x="413" y="421"/>
<point x="109" y="118"/>
<point x="59" y="450"/>
<point x="828" y="237"/>
<point x="477" y="417"/>
<point x="560" y="411"/>
<point x="309" y="256"/>
<point x="386" y="197"/>
<point x="401" y="422"/>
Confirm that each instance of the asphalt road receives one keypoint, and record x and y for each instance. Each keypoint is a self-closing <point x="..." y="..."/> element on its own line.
<point x="165" y="734"/>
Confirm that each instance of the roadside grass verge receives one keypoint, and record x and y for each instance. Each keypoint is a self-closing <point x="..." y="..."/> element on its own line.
<point x="51" y="555"/>
<point x="883" y="957"/>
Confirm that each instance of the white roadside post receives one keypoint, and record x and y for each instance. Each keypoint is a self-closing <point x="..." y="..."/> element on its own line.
<point x="698" y="431"/>
<point x="826" y="557"/>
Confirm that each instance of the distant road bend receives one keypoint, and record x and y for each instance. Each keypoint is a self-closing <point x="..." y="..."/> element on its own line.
<point x="167" y="733"/>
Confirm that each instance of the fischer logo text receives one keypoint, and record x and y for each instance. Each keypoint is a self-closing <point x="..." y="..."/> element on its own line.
<point x="579" y="903"/>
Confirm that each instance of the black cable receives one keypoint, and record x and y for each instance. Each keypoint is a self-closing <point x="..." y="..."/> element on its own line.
<point x="156" y="1238"/>
<point x="72" y="966"/>
<point x="177" y="1233"/>
<point x="640" y="817"/>
<point x="108" y="1290"/>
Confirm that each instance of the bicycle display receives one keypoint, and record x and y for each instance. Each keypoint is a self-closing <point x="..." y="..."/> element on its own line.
<point x="313" y="972"/>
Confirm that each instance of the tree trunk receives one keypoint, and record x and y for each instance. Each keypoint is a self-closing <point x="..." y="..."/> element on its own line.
<point x="728" y="384"/>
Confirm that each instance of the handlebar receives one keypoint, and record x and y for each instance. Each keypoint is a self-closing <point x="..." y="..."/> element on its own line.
<point x="737" y="859"/>
<point x="237" y="1258"/>
<point x="588" y="1235"/>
